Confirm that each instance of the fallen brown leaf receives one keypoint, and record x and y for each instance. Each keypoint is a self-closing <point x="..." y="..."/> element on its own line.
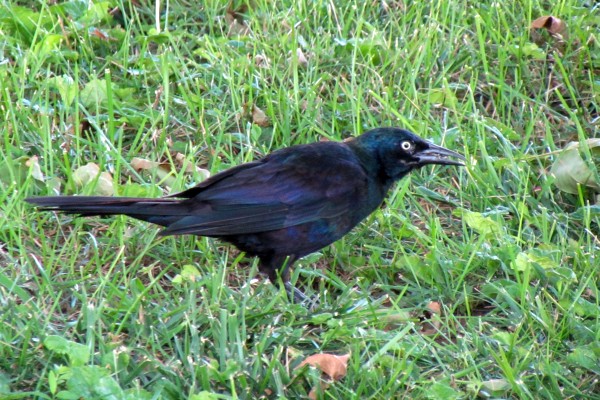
<point x="553" y="25"/>
<point x="162" y="170"/>
<point x="100" y="34"/>
<point x="302" y="60"/>
<point x="431" y="325"/>
<point x="262" y="61"/>
<point x="189" y="167"/>
<point x="259" y="117"/>
<point x="331" y="365"/>
<point x="139" y="164"/>
<point x="435" y="307"/>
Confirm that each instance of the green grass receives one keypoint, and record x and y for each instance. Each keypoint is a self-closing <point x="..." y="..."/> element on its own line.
<point x="104" y="308"/>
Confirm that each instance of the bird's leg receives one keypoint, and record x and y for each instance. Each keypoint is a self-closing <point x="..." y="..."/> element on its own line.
<point x="282" y="274"/>
<point x="278" y="270"/>
<point x="294" y="294"/>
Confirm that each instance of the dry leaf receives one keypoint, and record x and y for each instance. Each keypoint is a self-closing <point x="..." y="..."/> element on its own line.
<point x="190" y="168"/>
<point x="554" y="25"/>
<point x="496" y="385"/>
<point x="162" y="170"/>
<point x="571" y="170"/>
<point x="100" y="34"/>
<point x="435" y="307"/>
<point x="36" y="171"/>
<point x="139" y="164"/>
<point x="157" y="96"/>
<point x="330" y="364"/>
<point x="88" y="173"/>
<point x="302" y="61"/>
<point x="431" y="325"/>
<point x="16" y="171"/>
<point x="333" y="366"/>
<point x="262" y="61"/>
<point x="259" y="117"/>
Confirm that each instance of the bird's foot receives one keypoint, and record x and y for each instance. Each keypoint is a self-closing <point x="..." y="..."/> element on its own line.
<point x="297" y="296"/>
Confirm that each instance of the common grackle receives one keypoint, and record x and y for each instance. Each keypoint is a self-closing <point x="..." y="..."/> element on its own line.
<point x="284" y="206"/>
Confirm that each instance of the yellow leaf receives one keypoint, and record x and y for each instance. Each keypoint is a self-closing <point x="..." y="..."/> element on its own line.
<point x="89" y="173"/>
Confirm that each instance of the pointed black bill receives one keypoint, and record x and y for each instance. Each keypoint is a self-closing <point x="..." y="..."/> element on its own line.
<point x="439" y="155"/>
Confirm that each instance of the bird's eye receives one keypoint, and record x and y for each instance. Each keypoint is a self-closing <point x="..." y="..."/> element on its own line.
<point x="406" y="145"/>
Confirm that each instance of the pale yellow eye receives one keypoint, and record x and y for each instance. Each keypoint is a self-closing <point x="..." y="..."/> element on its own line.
<point x="406" y="145"/>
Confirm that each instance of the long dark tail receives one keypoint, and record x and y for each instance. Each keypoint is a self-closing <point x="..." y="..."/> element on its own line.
<point x="162" y="212"/>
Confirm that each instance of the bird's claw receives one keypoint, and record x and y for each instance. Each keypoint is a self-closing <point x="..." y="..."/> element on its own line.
<point x="297" y="296"/>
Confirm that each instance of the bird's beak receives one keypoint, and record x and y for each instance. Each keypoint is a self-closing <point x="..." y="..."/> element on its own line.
<point x="438" y="155"/>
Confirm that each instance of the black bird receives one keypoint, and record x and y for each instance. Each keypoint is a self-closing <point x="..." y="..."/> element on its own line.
<point x="284" y="206"/>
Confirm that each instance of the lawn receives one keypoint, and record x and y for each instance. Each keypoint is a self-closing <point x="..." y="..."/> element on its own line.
<point x="474" y="282"/>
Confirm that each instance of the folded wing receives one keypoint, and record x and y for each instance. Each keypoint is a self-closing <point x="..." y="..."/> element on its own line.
<point x="282" y="190"/>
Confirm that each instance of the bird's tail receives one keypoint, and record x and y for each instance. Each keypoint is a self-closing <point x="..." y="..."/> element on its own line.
<point x="162" y="211"/>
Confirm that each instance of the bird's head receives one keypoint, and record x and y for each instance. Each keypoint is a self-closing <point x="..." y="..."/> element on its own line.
<point x="398" y="151"/>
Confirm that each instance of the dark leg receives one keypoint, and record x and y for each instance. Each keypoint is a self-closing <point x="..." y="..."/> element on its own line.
<point x="278" y="270"/>
<point x="295" y="295"/>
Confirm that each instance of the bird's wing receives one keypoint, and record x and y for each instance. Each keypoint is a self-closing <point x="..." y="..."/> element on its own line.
<point x="282" y="190"/>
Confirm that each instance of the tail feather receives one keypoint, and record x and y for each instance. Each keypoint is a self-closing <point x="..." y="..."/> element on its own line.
<point x="162" y="211"/>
